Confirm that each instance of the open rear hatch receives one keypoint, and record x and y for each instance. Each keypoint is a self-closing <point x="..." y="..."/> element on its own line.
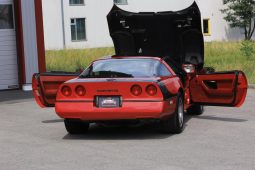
<point x="177" y="35"/>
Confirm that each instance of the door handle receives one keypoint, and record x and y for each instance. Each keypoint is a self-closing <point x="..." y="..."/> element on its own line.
<point x="216" y="91"/>
<point x="211" y="84"/>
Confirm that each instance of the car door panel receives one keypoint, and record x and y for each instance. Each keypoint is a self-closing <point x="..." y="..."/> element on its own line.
<point x="221" y="89"/>
<point x="45" y="86"/>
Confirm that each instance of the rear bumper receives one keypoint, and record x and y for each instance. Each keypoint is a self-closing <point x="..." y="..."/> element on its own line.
<point x="129" y="110"/>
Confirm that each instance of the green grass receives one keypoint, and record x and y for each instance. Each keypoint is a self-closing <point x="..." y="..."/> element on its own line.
<point x="71" y="60"/>
<point x="227" y="56"/>
<point x="220" y="55"/>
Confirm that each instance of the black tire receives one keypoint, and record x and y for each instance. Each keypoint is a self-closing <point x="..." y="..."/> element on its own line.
<point x="195" y="110"/>
<point x="175" y="123"/>
<point x="76" y="126"/>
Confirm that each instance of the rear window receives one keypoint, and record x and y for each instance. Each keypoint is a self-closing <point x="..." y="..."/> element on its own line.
<point x="126" y="68"/>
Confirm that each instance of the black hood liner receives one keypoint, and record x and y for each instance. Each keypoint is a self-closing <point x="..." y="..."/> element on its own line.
<point x="175" y="35"/>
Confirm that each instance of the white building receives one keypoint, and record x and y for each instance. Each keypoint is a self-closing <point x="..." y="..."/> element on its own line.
<point x="83" y="24"/>
<point x="21" y="42"/>
<point x="77" y="24"/>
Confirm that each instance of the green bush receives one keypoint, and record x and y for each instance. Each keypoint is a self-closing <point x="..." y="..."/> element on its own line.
<point x="247" y="48"/>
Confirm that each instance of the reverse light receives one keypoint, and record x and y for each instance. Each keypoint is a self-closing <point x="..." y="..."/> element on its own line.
<point x="80" y="91"/>
<point x="66" y="91"/>
<point x="151" y="90"/>
<point x="136" y="90"/>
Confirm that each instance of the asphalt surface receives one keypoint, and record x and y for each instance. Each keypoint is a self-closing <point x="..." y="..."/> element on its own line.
<point x="35" y="138"/>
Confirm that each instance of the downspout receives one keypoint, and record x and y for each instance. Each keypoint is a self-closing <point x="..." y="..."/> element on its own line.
<point x="40" y="36"/>
<point x="20" y="42"/>
<point x="63" y="23"/>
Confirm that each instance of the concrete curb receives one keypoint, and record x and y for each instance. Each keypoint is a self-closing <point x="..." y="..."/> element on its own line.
<point x="252" y="86"/>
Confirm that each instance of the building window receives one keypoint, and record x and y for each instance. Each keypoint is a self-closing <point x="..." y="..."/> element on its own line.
<point x="76" y="2"/>
<point x="6" y="17"/>
<point x="78" y="29"/>
<point x="206" y="27"/>
<point x="120" y="2"/>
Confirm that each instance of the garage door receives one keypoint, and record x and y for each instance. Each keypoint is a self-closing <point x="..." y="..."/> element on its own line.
<point x="8" y="52"/>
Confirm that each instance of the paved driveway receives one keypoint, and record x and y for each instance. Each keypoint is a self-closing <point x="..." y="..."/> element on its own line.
<point x="34" y="138"/>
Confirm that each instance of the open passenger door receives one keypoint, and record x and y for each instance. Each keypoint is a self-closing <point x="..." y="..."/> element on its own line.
<point x="45" y="86"/>
<point x="219" y="89"/>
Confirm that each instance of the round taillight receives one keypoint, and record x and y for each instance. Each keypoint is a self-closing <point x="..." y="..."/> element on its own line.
<point x="80" y="91"/>
<point x="136" y="90"/>
<point x="151" y="90"/>
<point x="66" y="91"/>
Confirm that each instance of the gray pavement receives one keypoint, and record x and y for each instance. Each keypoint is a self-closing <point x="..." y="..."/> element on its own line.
<point x="35" y="138"/>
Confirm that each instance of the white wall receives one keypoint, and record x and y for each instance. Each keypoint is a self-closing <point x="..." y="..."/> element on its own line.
<point x="95" y="12"/>
<point x="156" y="5"/>
<point x="52" y="20"/>
<point x="30" y="39"/>
<point x="220" y="29"/>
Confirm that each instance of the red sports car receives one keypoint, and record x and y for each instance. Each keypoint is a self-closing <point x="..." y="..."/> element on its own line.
<point x="157" y="73"/>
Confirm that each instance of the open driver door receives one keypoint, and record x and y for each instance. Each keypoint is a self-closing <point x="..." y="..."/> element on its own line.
<point x="45" y="86"/>
<point x="219" y="89"/>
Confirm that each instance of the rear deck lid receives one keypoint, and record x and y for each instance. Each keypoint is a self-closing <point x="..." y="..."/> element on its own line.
<point x="177" y="35"/>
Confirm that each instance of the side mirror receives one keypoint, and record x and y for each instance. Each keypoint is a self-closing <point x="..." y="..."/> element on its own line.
<point x="189" y="68"/>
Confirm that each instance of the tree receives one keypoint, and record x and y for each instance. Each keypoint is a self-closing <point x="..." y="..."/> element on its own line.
<point x="241" y="13"/>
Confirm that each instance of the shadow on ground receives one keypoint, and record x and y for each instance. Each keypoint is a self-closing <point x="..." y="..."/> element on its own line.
<point x="224" y="119"/>
<point x="135" y="132"/>
<point x="143" y="130"/>
<point x="140" y="131"/>
<point x="15" y="95"/>
<point x="53" y="121"/>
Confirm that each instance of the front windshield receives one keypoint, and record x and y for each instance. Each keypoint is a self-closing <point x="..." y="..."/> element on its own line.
<point x="113" y="68"/>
